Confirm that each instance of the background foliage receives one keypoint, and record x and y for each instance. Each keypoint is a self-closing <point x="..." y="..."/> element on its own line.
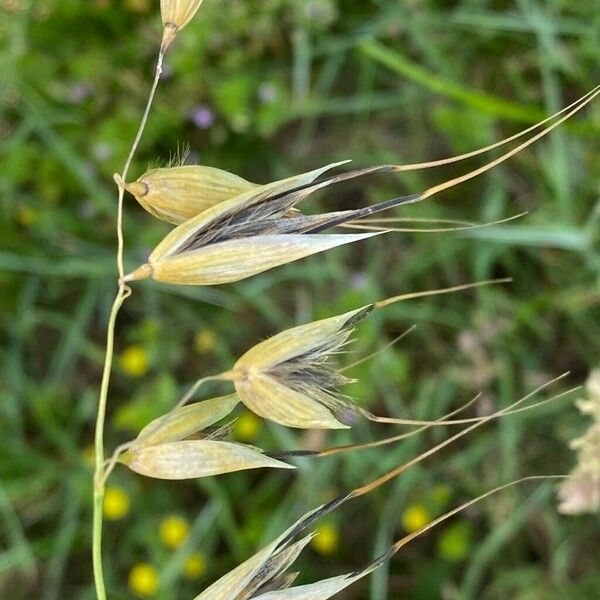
<point x="268" y="88"/>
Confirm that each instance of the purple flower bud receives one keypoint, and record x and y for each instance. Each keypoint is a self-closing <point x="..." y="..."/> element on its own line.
<point x="202" y="116"/>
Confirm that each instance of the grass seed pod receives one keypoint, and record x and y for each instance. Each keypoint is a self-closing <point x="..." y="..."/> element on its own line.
<point x="292" y="378"/>
<point x="189" y="459"/>
<point x="288" y="378"/>
<point x="176" y="194"/>
<point x="254" y="232"/>
<point x="185" y="421"/>
<point x="237" y="582"/>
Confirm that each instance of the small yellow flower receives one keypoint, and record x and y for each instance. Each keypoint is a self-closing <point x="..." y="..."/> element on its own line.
<point x="144" y="580"/>
<point x="247" y="427"/>
<point x="173" y="531"/>
<point x="116" y="503"/>
<point x="327" y="539"/>
<point x="195" y="566"/>
<point x="415" y="517"/>
<point x="205" y="340"/>
<point x="134" y="360"/>
<point x="26" y="215"/>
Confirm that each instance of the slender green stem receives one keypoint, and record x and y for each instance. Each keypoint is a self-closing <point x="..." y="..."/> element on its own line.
<point x="123" y="293"/>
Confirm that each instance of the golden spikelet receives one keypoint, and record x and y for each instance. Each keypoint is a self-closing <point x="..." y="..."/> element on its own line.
<point x="186" y="420"/>
<point x="292" y="378"/>
<point x="254" y="232"/>
<point x="289" y="377"/>
<point x="162" y="451"/>
<point x="176" y="194"/>
<point x="189" y="459"/>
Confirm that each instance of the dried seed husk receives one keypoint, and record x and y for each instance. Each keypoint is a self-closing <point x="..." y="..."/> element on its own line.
<point x="320" y="590"/>
<point x="275" y="566"/>
<point x="193" y="255"/>
<point x="298" y="340"/>
<point x="186" y="420"/>
<point x="261" y="375"/>
<point x="276" y="402"/>
<point x="232" y="584"/>
<point x="234" y="260"/>
<point x="189" y="459"/>
<point x="176" y="194"/>
<point x="178" y="237"/>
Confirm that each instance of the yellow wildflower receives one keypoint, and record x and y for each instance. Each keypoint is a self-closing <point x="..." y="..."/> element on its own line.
<point x="134" y="360"/>
<point x="116" y="503"/>
<point x="144" y="580"/>
<point x="173" y="531"/>
<point x="205" y="340"/>
<point x="414" y="517"/>
<point x="327" y="539"/>
<point x="195" y="566"/>
<point x="247" y="427"/>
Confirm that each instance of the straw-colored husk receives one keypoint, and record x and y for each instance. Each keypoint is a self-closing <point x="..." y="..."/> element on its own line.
<point x="176" y="194"/>
<point x="185" y="421"/>
<point x="178" y="13"/>
<point x="189" y="459"/>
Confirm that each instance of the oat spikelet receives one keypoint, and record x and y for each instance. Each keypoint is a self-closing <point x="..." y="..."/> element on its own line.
<point x="189" y="459"/>
<point x="253" y="232"/>
<point x="292" y="378"/>
<point x="162" y="451"/>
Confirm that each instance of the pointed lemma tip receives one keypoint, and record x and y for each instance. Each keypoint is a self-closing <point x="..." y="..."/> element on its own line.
<point x="143" y="272"/>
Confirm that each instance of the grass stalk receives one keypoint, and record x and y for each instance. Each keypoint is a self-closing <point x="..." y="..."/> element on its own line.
<point x="123" y="293"/>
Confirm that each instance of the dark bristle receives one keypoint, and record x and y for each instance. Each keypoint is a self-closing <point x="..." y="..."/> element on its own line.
<point x="310" y="519"/>
<point x="356" y="318"/>
<point x="372" y="565"/>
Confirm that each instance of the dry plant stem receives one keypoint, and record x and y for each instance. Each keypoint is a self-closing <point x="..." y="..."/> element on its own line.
<point x="123" y="293"/>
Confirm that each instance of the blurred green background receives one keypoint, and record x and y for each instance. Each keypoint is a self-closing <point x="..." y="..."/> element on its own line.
<point x="266" y="89"/>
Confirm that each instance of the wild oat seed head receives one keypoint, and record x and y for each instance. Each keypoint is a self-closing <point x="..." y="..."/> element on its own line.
<point x="251" y="233"/>
<point x="175" y="446"/>
<point x="261" y="572"/>
<point x="291" y="378"/>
